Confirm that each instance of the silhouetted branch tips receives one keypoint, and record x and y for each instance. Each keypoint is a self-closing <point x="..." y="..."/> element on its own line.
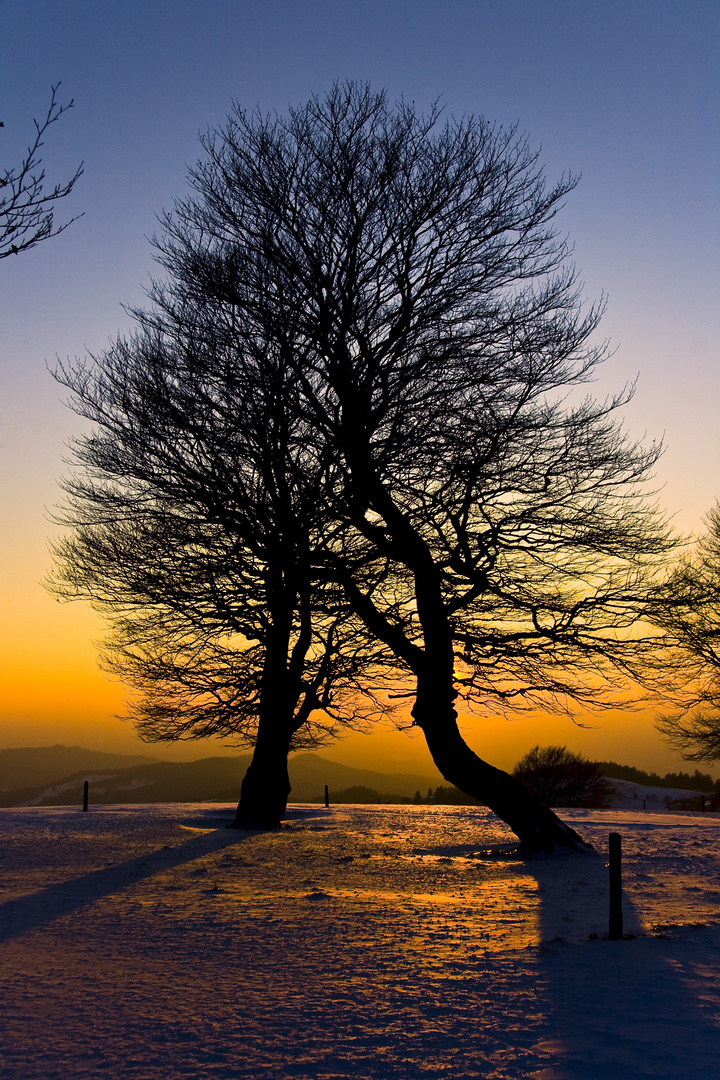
<point x="27" y="210"/>
<point x="615" y="928"/>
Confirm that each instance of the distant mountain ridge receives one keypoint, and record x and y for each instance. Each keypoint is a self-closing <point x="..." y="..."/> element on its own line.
<point x="30" y="765"/>
<point x="56" y="775"/>
<point x="208" y="779"/>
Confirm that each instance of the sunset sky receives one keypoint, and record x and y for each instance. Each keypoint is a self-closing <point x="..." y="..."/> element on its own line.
<point x="625" y="92"/>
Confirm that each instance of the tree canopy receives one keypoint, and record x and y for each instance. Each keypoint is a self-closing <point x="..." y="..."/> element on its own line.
<point x="474" y="515"/>
<point x="558" y="777"/>
<point x="688" y="609"/>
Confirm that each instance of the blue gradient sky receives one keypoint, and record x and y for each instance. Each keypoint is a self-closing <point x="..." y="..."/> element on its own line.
<point x="625" y="93"/>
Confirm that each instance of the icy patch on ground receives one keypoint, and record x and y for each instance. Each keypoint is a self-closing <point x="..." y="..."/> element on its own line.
<point x="376" y="941"/>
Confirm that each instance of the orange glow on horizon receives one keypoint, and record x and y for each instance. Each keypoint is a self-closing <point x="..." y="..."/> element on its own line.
<point x="54" y="692"/>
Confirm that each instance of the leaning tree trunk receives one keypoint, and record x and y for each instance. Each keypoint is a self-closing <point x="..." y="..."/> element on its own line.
<point x="536" y="826"/>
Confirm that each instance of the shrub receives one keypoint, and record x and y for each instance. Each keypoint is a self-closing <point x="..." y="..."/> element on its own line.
<point x="558" y="777"/>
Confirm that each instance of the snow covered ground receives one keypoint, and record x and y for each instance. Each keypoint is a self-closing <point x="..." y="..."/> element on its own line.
<point x="631" y="796"/>
<point x="371" y="942"/>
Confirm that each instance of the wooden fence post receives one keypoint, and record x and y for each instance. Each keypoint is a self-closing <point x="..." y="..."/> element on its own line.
<point x="85" y="796"/>
<point x="616" y="917"/>
<point x="327" y="796"/>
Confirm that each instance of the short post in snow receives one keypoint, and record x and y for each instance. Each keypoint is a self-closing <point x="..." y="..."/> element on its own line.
<point x="616" y="917"/>
<point x="85" y="796"/>
<point x="327" y="796"/>
<point x="702" y="803"/>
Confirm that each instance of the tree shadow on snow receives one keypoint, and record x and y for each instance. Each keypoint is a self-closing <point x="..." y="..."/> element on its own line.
<point x="615" y="1008"/>
<point x="29" y="912"/>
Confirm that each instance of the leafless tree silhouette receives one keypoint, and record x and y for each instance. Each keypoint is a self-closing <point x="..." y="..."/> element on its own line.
<point x="558" y="777"/>
<point x="688" y="609"/>
<point x="487" y="525"/>
<point x="196" y="504"/>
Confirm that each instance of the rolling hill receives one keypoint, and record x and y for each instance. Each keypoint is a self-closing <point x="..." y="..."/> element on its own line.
<point x="114" y="779"/>
<point x="32" y="765"/>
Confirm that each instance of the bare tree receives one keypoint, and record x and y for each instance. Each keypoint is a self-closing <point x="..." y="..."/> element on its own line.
<point x="439" y="341"/>
<point x="687" y="607"/>
<point x="195" y="504"/>
<point x="27" y="210"/>
<point x="558" y="777"/>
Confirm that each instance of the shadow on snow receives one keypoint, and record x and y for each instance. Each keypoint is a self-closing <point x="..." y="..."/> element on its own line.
<point x="34" y="910"/>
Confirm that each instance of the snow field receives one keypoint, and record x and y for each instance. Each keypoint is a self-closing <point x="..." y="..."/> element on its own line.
<point x="375" y="941"/>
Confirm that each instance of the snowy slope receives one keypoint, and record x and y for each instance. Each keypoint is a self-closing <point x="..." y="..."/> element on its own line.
<point x="630" y="796"/>
<point x="380" y="942"/>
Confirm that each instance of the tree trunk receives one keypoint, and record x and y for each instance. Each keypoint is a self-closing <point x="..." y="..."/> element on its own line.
<point x="536" y="826"/>
<point x="266" y="784"/>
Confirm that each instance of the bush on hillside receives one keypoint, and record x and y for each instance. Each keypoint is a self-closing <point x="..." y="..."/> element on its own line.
<point x="557" y="777"/>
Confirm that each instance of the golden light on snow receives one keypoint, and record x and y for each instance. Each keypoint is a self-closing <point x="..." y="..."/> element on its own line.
<point x="360" y="941"/>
